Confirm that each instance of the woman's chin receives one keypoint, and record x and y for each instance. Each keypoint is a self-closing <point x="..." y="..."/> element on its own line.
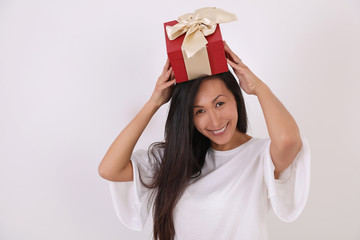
<point x="217" y="143"/>
<point x="224" y="142"/>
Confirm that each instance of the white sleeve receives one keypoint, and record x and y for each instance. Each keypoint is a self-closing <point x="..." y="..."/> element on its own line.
<point x="289" y="193"/>
<point x="130" y="199"/>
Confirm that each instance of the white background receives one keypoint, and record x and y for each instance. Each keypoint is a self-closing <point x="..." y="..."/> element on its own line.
<point x="73" y="73"/>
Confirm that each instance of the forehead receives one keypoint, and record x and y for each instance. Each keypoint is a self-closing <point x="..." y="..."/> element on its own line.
<point x="210" y="89"/>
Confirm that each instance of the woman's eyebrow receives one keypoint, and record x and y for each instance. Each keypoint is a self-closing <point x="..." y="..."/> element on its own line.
<point x="220" y="95"/>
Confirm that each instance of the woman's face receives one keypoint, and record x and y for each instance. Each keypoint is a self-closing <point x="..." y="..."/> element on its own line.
<point x="215" y="114"/>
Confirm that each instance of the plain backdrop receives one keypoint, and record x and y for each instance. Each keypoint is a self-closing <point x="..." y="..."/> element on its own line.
<point x="73" y="73"/>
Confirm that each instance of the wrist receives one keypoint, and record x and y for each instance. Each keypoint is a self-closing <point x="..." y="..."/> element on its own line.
<point x="153" y="105"/>
<point x="261" y="89"/>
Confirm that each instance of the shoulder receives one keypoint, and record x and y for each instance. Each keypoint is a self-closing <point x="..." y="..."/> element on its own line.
<point x="257" y="147"/>
<point x="148" y="158"/>
<point x="156" y="150"/>
<point x="259" y="143"/>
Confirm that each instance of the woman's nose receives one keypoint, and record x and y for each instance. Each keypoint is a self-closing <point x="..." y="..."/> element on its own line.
<point x="214" y="119"/>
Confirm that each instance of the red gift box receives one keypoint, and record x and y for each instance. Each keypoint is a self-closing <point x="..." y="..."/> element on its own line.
<point x="214" y="48"/>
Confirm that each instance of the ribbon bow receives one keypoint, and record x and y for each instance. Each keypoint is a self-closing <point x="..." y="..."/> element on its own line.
<point x="197" y="25"/>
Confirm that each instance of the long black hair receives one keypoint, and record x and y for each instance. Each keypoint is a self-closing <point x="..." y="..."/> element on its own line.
<point x="184" y="150"/>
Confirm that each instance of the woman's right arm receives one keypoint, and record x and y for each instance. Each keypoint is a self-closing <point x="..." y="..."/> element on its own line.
<point x="116" y="165"/>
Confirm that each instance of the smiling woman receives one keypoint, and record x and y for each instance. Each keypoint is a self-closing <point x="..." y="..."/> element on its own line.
<point x="209" y="179"/>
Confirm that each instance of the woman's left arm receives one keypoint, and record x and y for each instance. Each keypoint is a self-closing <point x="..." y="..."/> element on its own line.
<point x="283" y="130"/>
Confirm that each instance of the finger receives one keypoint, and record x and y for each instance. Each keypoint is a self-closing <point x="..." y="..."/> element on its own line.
<point x="167" y="65"/>
<point x="167" y="74"/>
<point x="231" y="54"/>
<point x="169" y="83"/>
<point x="228" y="55"/>
<point x="232" y="64"/>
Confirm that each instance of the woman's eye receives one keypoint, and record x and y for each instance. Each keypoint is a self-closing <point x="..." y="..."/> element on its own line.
<point x="199" y="111"/>
<point x="219" y="104"/>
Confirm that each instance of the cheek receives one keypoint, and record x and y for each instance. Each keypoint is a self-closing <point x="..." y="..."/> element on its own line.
<point x="236" y="119"/>
<point x="233" y="114"/>
<point x="199" y="123"/>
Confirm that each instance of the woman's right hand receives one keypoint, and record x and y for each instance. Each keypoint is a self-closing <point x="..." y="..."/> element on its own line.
<point x="116" y="165"/>
<point x="164" y="85"/>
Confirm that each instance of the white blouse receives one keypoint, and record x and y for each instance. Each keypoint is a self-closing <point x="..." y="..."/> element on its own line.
<point x="231" y="197"/>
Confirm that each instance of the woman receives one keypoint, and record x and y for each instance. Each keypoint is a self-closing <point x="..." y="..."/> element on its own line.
<point x="209" y="179"/>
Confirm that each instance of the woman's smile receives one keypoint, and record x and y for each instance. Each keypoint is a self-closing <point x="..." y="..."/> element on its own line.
<point x="219" y="132"/>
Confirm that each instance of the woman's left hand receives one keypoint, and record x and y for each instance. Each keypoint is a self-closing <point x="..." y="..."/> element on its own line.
<point x="249" y="82"/>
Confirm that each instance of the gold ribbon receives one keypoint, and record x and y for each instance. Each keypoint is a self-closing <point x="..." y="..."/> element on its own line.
<point x="197" y="25"/>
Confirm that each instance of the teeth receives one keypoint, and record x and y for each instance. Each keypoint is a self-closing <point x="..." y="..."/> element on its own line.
<point x="219" y="131"/>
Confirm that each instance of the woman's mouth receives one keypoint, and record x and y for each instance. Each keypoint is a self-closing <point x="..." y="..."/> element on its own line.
<point x="220" y="131"/>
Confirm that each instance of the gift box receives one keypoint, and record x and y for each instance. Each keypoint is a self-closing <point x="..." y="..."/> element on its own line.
<point x="200" y="57"/>
<point x="214" y="49"/>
